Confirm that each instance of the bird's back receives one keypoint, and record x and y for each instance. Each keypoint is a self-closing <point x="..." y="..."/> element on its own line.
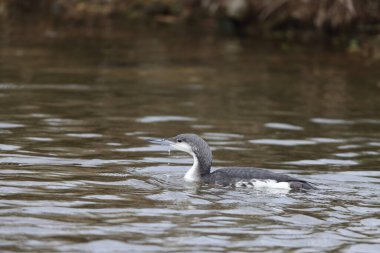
<point x="253" y="177"/>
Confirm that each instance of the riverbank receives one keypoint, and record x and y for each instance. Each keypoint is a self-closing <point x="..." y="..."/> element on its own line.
<point x="352" y="24"/>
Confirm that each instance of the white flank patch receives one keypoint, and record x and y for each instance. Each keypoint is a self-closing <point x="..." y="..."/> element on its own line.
<point x="255" y="183"/>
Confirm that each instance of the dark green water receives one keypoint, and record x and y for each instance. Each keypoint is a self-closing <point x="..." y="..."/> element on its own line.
<point x="76" y="174"/>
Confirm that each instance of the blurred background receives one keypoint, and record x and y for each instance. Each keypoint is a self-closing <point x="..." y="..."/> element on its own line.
<point x="350" y="23"/>
<point x="113" y="34"/>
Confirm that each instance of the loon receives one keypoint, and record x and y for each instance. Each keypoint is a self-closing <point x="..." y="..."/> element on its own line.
<point x="200" y="172"/>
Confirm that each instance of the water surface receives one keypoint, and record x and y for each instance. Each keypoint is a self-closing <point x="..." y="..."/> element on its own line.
<point x="78" y="176"/>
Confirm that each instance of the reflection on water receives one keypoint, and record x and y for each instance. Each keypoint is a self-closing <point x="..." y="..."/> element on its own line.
<point x="78" y="176"/>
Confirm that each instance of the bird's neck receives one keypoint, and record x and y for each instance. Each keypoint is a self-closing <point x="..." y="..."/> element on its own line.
<point x="201" y="166"/>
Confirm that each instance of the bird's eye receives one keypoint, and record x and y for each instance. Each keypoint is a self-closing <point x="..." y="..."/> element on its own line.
<point x="179" y="140"/>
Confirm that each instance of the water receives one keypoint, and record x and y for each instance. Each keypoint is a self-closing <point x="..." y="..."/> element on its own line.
<point x="78" y="176"/>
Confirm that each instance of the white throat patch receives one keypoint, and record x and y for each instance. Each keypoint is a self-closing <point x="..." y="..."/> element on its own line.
<point x="193" y="174"/>
<point x="182" y="146"/>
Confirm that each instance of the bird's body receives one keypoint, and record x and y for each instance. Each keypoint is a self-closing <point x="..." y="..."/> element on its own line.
<point x="253" y="177"/>
<point x="235" y="176"/>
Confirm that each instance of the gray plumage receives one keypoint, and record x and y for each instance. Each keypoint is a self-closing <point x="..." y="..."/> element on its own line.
<point x="200" y="148"/>
<point x="230" y="176"/>
<point x="196" y="146"/>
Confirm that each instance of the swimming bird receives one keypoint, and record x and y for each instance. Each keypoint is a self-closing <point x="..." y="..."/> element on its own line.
<point x="231" y="176"/>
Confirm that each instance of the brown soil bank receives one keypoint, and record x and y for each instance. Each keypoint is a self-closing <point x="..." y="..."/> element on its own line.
<point x="291" y="19"/>
<point x="307" y="14"/>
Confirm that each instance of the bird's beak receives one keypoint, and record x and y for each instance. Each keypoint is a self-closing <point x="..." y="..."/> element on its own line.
<point x="171" y="143"/>
<point x="164" y="142"/>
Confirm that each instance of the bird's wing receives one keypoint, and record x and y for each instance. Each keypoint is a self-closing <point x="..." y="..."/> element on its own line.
<point x="228" y="176"/>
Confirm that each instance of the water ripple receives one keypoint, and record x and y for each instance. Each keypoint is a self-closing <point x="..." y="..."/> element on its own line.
<point x="280" y="142"/>
<point x="45" y="160"/>
<point x="163" y="118"/>
<point x="10" y="125"/>
<point x="84" y="135"/>
<point x="43" y="139"/>
<point x="334" y="162"/>
<point x="283" y="126"/>
<point x="327" y="121"/>
<point x="7" y="147"/>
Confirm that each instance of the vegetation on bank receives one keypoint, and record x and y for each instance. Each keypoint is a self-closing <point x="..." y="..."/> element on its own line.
<point x="290" y="19"/>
